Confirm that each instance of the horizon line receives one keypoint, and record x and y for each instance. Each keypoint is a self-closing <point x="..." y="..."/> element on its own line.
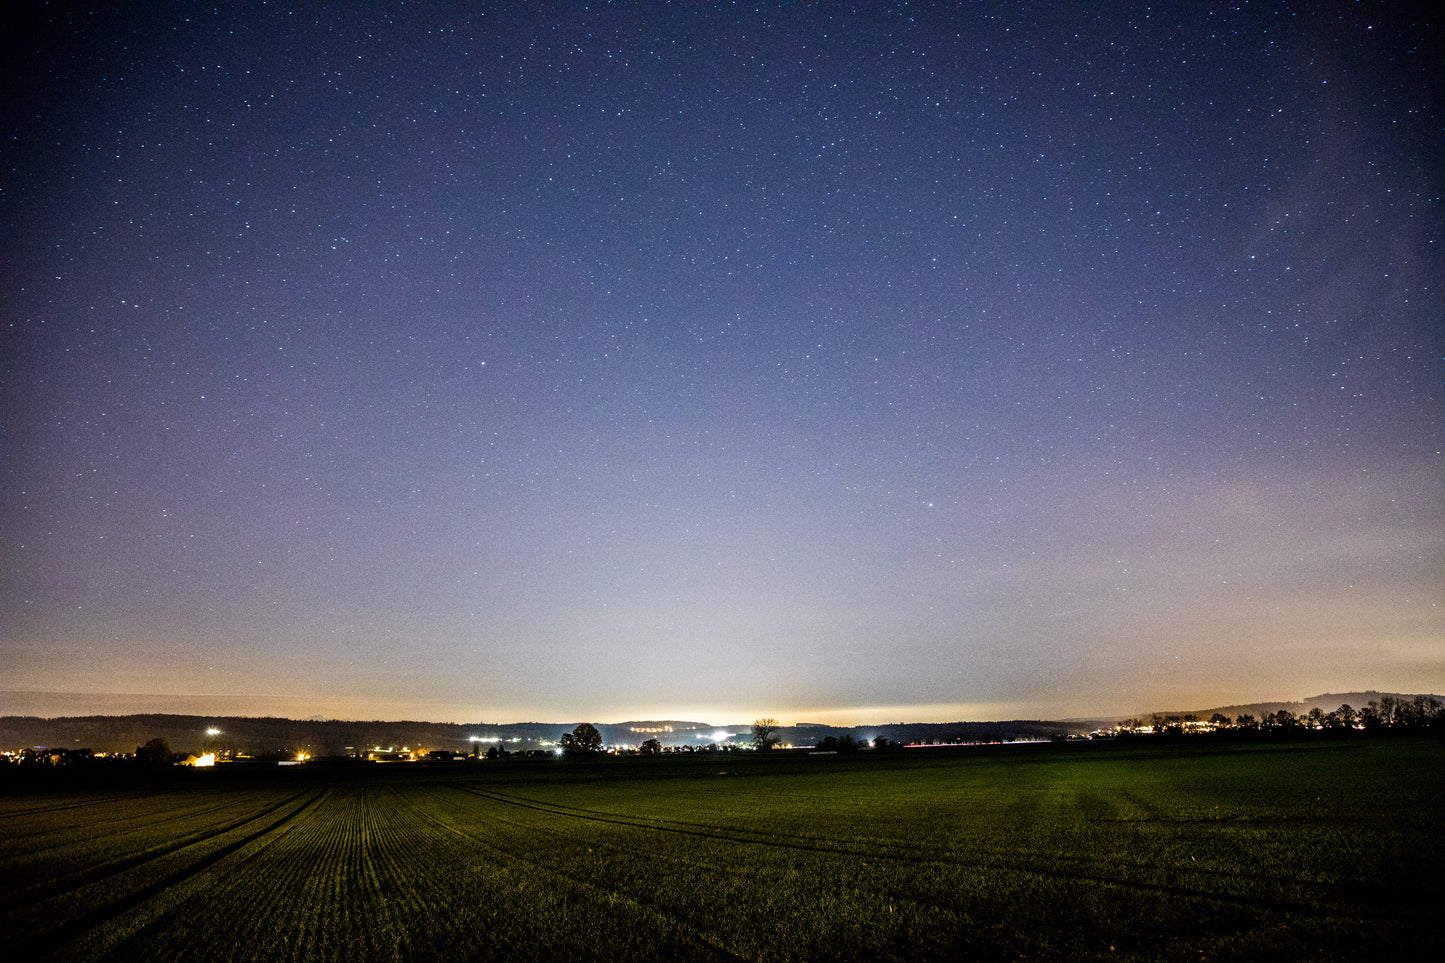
<point x="939" y="714"/>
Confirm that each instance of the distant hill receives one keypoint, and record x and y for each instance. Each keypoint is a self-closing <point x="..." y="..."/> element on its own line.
<point x="187" y="733"/>
<point x="322" y="737"/>
<point x="331" y="737"/>
<point x="1327" y="702"/>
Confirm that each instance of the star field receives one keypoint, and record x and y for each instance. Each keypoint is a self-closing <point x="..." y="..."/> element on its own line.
<point x="832" y="362"/>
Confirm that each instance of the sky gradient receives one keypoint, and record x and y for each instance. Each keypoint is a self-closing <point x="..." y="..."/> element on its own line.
<point x="845" y="363"/>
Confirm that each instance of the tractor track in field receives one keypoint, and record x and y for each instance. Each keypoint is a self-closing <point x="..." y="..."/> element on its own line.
<point x="129" y="818"/>
<point x="902" y="852"/>
<point x="92" y="874"/>
<point x="84" y="921"/>
<point x="581" y="881"/>
<point x="585" y="882"/>
<point x="757" y="837"/>
<point x="79" y="804"/>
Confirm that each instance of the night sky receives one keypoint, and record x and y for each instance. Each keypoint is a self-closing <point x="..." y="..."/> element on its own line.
<point x="834" y="362"/>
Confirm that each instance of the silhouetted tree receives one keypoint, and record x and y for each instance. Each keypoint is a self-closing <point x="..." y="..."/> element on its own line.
<point x="1282" y="720"/>
<point x="157" y="752"/>
<point x="582" y="742"/>
<point x="650" y="747"/>
<point x="1170" y="725"/>
<point x="1427" y="710"/>
<point x="1370" y="716"/>
<point x="765" y="733"/>
<point x="844" y="743"/>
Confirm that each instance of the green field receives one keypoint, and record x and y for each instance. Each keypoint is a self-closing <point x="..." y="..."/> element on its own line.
<point x="1279" y="852"/>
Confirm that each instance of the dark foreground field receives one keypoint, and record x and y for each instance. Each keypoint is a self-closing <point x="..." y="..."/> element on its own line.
<point x="1306" y="852"/>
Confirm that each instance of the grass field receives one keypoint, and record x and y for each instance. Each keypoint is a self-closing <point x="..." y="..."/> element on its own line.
<point x="1325" y="851"/>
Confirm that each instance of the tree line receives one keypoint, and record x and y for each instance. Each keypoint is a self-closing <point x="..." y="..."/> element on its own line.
<point x="1387" y="713"/>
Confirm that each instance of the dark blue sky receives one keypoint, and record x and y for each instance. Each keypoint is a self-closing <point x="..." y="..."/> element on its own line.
<point x="845" y="362"/>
